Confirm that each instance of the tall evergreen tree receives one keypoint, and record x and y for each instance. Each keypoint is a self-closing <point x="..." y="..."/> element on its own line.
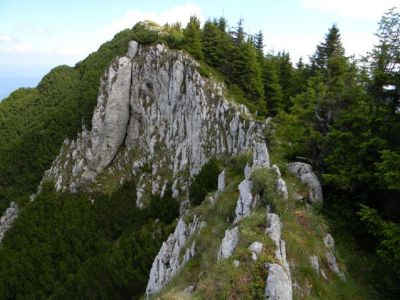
<point x="192" y="38"/>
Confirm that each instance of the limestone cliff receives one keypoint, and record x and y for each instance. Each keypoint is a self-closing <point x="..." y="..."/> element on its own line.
<point x="157" y="120"/>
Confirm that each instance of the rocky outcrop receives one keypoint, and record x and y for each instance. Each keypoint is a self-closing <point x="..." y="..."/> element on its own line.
<point x="306" y="175"/>
<point x="168" y="261"/>
<point x="245" y="201"/>
<point x="8" y="218"/>
<point x="260" y="155"/>
<point x="330" y="256"/>
<point x="279" y="286"/>
<point x="229" y="243"/>
<point x="221" y="181"/>
<point x="155" y="115"/>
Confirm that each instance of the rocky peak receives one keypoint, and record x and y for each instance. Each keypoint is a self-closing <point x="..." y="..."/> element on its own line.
<point x="157" y="120"/>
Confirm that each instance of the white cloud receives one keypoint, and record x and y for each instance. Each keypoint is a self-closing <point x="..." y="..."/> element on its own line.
<point x="367" y="9"/>
<point x="11" y="44"/>
<point x="181" y="13"/>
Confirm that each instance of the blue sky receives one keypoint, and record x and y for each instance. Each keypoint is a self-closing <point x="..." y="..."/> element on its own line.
<point x="37" y="35"/>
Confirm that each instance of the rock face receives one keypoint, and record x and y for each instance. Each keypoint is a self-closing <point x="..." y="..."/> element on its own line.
<point x="8" y="218"/>
<point x="221" y="181"/>
<point x="229" y="243"/>
<point x="167" y="261"/>
<point x="305" y="173"/>
<point x="155" y="117"/>
<point x="330" y="256"/>
<point x="279" y="286"/>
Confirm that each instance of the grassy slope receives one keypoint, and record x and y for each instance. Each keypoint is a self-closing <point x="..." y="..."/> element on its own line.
<point x="303" y="229"/>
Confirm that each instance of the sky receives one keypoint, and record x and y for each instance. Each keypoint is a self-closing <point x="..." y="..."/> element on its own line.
<point x="37" y="35"/>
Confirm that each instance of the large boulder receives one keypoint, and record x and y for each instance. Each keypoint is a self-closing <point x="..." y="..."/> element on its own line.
<point x="306" y="175"/>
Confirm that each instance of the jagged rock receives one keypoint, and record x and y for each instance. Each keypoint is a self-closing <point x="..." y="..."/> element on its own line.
<point x="229" y="243"/>
<point x="154" y="101"/>
<point x="274" y="231"/>
<point x="260" y="155"/>
<point x="221" y="181"/>
<point x="245" y="202"/>
<point x="167" y="261"/>
<point x="330" y="256"/>
<point x="8" y="218"/>
<point x="314" y="263"/>
<point x="183" y="207"/>
<point x="306" y="175"/>
<point x="279" y="286"/>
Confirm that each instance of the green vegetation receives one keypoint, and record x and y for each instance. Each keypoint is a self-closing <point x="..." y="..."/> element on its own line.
<point x="204" y="182"/>
<point x="63" y="247"/>
<point x="303" y="231"/>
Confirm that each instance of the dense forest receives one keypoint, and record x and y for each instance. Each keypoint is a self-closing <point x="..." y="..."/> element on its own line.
<point x="336" y="112"/>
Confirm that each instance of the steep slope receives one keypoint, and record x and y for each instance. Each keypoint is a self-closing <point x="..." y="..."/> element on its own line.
<point x="156" y="120"/>
<point x="108" y="201"/>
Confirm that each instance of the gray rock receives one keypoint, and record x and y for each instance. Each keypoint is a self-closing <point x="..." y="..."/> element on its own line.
<point x="167" y="261"/>
<point x="277" y="171"/>
<point x="189" y="289"/>
<point x="245" y="201"/>
<point x="229" y="243"/>
<point x="256" y="247"/>
<point x="221" y="181"/>
<point x="330" y="256"/>
<point x="236" y="263"/>
<point x="8" y="218"/>
<point x="279" y="286"/>
<point x="281" y="188"/>
<point x="314" y="263"/>
<point x="260" y="155"/>
<point x="306" y="175"/>
<point x="154" y="101"/>
<point x="247" y="171"/>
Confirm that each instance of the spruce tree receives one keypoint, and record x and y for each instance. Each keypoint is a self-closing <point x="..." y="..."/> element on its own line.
<point x="192" y="38"/>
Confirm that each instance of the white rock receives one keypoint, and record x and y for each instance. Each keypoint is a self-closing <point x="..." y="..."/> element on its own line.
<point x="260" y="155"/>
<point x="167" y="261"/>
<point x="245" y="201"/>
<point x="281" y="188"/>
<point x="330" y="256"/>
<point x="277" y="171"/>
<point x="159" y="110"/>
<point x="279" y="286"/>
<point x="256" y="247"/>
<point x="236" y="263"/>
<point x="221" y="181"/>
<point x="8" y="218"/>
<point x="304" y="172"/>
<point x="229" y="243"/>
<point x="247" y="171"/>
<point x="314" y="263"/>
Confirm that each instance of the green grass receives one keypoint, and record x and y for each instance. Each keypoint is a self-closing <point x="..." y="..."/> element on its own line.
<point x="303" y="230"/>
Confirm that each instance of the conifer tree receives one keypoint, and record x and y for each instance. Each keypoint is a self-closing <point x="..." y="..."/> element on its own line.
<point x="192" y="38"/>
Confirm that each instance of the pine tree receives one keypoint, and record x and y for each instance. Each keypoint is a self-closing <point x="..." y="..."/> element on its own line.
<point x="192" y="38"/>
<point x="239" y="34"/>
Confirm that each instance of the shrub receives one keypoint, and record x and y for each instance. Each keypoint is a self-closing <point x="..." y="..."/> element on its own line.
<point x="204" y="182"/>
